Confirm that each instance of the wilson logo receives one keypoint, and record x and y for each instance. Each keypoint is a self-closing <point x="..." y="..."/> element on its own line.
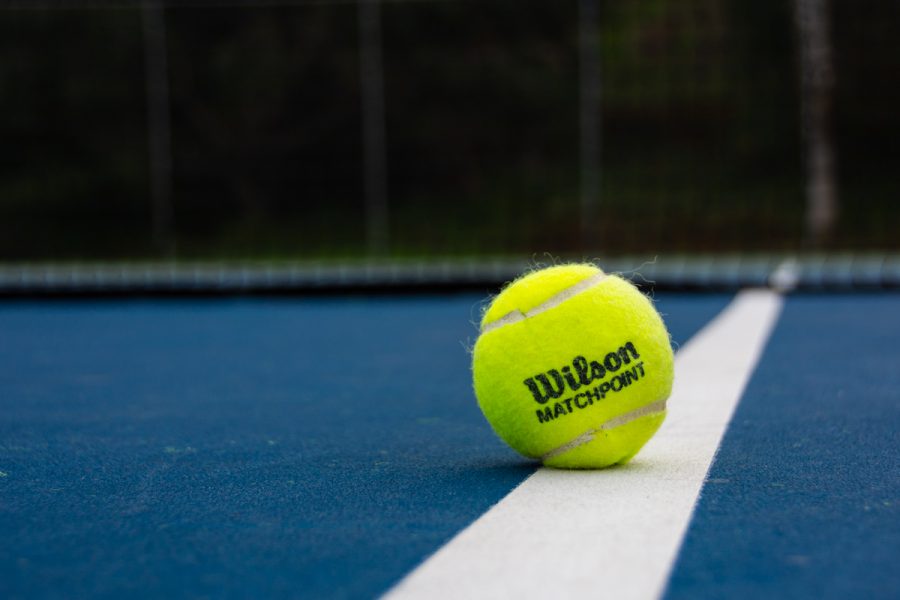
<point x="555" y="382"/>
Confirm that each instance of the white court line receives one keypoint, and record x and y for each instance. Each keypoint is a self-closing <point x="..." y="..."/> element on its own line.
<point x="613" y="533"/>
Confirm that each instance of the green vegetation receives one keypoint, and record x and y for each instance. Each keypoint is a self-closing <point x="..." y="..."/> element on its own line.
<point x="701" y="135"/>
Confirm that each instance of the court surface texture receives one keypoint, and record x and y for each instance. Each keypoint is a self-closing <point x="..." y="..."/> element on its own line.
<point x="332" y="447"/>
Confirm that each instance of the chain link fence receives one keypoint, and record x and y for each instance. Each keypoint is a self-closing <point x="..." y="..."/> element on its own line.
<point x="431" y="129"/>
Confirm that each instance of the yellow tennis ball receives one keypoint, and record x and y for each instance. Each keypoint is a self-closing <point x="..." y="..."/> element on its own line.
<point x="573" y="367"/>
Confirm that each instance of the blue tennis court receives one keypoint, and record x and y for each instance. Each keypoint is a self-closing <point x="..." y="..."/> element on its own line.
<point x="326" y="447"/>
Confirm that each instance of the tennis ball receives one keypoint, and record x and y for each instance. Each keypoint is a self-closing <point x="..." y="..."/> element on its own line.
<point x="573" y="367"/>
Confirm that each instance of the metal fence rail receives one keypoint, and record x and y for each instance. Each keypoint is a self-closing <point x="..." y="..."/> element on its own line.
<point x="803" y="273"/>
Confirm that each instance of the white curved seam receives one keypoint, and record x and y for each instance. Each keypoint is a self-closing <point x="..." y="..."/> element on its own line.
<point x="553" y="301"/>
<point x="584" y="438"/>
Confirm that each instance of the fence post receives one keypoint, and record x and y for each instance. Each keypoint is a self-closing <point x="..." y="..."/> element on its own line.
<point x="158" y="125"/>
<point x="373" y="125"/>
<point x="816" y="85"/>
<point x="589" y="120"/>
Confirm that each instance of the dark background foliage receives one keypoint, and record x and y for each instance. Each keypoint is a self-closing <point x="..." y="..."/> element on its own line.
<point x="701" y="144"/>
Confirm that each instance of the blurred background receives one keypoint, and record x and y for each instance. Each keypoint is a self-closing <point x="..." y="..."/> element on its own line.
<point x="433" y="129"/>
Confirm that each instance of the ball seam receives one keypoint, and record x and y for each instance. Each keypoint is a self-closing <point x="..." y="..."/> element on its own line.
<point x="644" y="411"/>
<point x="553" y="301"/>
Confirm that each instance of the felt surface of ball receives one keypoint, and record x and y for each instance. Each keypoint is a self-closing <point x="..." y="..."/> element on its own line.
<point x="573" y="367"/>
